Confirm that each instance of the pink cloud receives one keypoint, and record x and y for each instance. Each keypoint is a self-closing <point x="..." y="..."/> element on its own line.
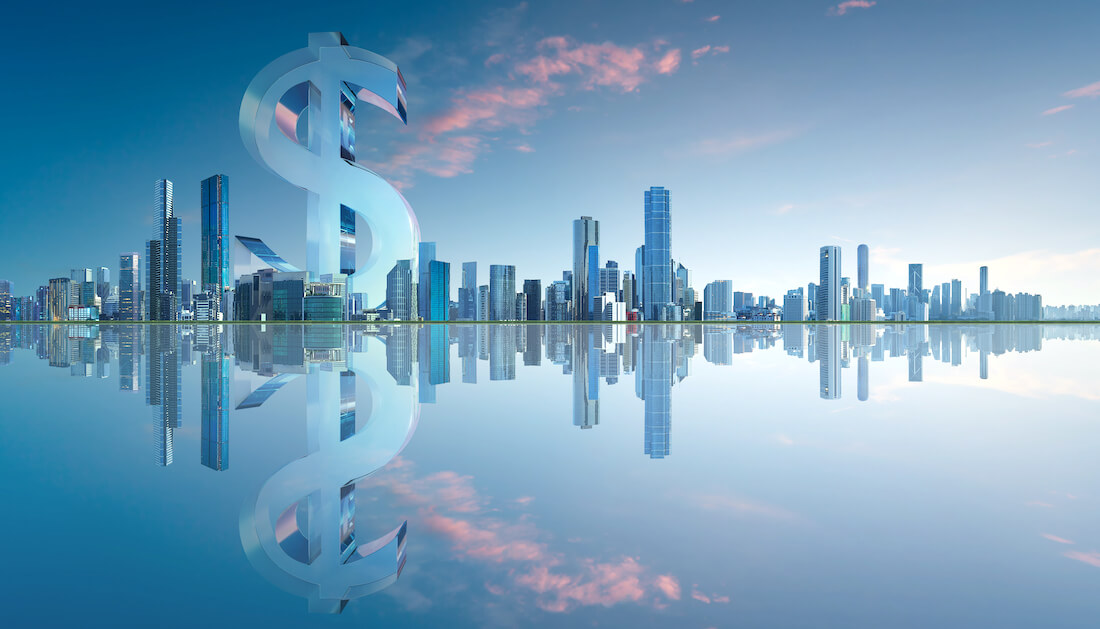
<point x="713" y="18"/>
<point x="1091" y="91"/>
<point x="1058" y="109"/>
<point x="669" y="586"/>
<point x="1055" y="538"/>
<point x="843" y="7"/>
<point x="670" y="62"/>
<point x="699" y="52"/>
<point x="603" y="64"/>
<point x="1091" y="558"/>
<point x="596" y="584"/>
<point x="699" y="596"/>
<point x="1038" y="145"/>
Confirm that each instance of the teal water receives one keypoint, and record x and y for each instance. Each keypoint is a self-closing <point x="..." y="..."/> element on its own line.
<point x="557" y="475"/>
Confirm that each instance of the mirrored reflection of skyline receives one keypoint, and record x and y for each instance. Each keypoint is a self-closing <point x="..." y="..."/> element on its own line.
<point x="312" y="528"/>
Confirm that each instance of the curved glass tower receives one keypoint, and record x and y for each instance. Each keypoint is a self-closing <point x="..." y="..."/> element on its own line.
<point x="657" y="272"/>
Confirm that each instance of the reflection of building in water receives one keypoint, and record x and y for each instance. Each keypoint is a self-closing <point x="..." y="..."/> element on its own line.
<point x="129" y="357"/>
<point x="400" y="348"/>
<point x="163" y="391"/>
<point x="435" y="361"/>
<point x="214" y="402"/>
<point x="467" y="349"/>
<point x="827" y="338"/>
<point x="586" y="376"/>
<point x="657" y="373"/>
<point x="502" y="352"/>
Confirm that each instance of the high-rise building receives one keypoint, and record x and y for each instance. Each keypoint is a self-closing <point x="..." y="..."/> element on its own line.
<point x="586" y="234"/>
<point x="427" y="254"/>
<point x="718" y="300"/>
<point x="439" y="290"/>
<point x="401" y="292"/>
<point x="609" y="278"/>
<point x="129" y="287"/>
<point x="215" y="274"/>
<point x="532" y="295"/>
<point x="629" y="283"/>
<point x="916" y="309"/>
<point x="863" y="255"/>
<point x="7" y="301"/>
<point x="639" y="273"/>
<point x="483" y="302"/>
<point x="828" y="290"/>
<point x="60" y="293"/>
<point x="467" y="293"/>
<point x="956" y="299"/>
<point x="985" y="302"/>
<point x="163" y="257"/>
<point x="657" y="273"/>
<point x="593" y="283"/>
<point x="502" y="292"/>
<point x="103" y="283"/>
<point x="557" y="301"/>
<point x="794" y="306"/>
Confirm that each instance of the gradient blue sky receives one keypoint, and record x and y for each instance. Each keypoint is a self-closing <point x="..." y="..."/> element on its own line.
<point x="953" y="133"/>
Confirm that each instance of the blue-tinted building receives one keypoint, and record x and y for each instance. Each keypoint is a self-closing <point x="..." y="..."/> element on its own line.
<point x="427" y="254"/>
<point x="502" y="292"/>
<point x="586" y="234"/>
<point x="656" y="275"/>
<point x="400" y="292"/>
<point x="215" y="273"/>
<point x="439" y="290"/>
<point x="215" y="409"/>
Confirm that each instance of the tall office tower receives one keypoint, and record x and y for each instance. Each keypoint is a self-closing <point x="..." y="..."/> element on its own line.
<point x="215" y="402"/>
<point x="60" y="292"/>
<point x="845" y="291"/>
<point x="502" y="292"/>
<point x="945" y="300"/>
<point x="811" y="300"/>
<point x="639" y="273"/>
<point x="77" y="279"/>
<point x="161" y="280"/>
<point x="215" y="274"/>
<point x="863" y="255"/>
<point x="153" y="279"/>
<point x="681" y="286"/>
<point x="609" y="278"/>
<point x="427" y="254"/>
<point x="467" y="294"/>
<point x="483" y="302"/>
<point x="439" y="290"/>
<point x="718" y="300"/>
<point x="401" y="292"/>
<point x="916" y="281"/>
<point x="521" y="307"/>
<point x="956" y="298"/>
<point x="657" y="269"/>
<point x="586" y="234"/>
<point x="103" y="283"/>
<point x="7" y="310"/>
<point x="794" y="306"/>
<point x="828" y="290"/>
<point x="628" y="290"/>
<point x="532" y="295"/>
<point x="985" y="303"/>
<point x="172" y="291"/>
<point x="878" y="293"/>
<point x="828" y="355"/>
<point x="129" y="287"/>
<point x="593" y="283"/>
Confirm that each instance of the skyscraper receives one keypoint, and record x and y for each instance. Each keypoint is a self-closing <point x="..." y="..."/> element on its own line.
<point x="502" y="292"/>
<point x="103" y="283"/>
<point x="916" y="310"/>
<point x="427" y="254"/>
<point x="862" y="271"/>
<point x="657" y="274"/>
<point x="467" y="293"/>
<point x="532" y="294"/>
<point x="718" y="300"/>
<point x="828" y="290"/>
<point x="400" y="292"/>
<point x="439" y="290"/>
<point x="215" y="275"/>
<point x="985" y="300"/>
<point x="956" y="299"/>
<point x="639" y="274"/>
<point x="129" y="287"/>
<point x="586" y="233"/>
<point x="628" y="290"/>
<point x="593" y="281"/>
<point x="7" y="299"/>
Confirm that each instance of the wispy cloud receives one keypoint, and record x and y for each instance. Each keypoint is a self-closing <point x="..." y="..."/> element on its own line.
<point x="783" y="209"/>
<point x="738" y="144"/>
<point x="1038" y="145"/>
<point x="670" y="62"/>
<point x="1055" y="538"/>
<point x="708" y="49"/>
<point x="713" y="18"/>
<point x="1056" y="110"/>
<point x="1090" y="91"/>
<point x="1091" y="558"/>
<point x="843" y="7"/>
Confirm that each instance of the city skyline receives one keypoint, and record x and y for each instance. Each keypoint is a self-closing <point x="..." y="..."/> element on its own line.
<point x="751" y="151"/>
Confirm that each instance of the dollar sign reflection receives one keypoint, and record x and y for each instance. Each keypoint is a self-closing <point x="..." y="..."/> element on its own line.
<point x="298" y="119"/>
<point x="299" y="530"/>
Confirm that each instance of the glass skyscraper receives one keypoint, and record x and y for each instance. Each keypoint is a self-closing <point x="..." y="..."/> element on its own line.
<point x="467" y="294"/>
<point x="828" y="290"/>
<point x="502" y="292"/>
<point x="215" y="274"/>
<point x="586" y="233"/>
<point x="129" y="287"/>
<point x="439" y="290"/>
<point x="426" y="255"/>
<point x="657" y="273"/>
<point x="863" y="255"/>
<point x="400" y="293"/>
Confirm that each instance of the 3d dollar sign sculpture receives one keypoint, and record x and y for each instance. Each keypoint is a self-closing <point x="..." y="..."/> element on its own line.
<point x="299" y="530"/>
<point x="298" y="120"/>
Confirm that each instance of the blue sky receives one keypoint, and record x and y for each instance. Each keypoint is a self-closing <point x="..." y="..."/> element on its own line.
<point x="944" y="132"/>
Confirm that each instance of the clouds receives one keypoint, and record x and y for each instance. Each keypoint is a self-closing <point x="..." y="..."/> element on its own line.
<point x="708" y="49"/>
<point x="733" y="145"/>
<point x="1088" y="91"/>
<point x="522" y="84"/>
<point x="1057" y="110"/>
<point x="843" y="7"/>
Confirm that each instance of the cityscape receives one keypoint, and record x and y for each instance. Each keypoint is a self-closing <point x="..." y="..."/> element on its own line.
<point x="262" y="286"/>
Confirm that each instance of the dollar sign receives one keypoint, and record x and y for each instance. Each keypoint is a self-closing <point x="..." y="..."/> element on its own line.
<point x="299" y="529"/>
<point x="298" y="120"/>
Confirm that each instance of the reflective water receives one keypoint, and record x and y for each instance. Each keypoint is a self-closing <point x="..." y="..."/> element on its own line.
<point x="530" y="475"/>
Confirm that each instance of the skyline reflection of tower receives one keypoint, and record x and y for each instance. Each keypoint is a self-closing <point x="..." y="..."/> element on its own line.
<point x="214" y="400"/>
<point x="586" y="377"/>
<point x="656" y="372"/>
<point x="163" y="391"/>
<point x="827" y="340"/>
